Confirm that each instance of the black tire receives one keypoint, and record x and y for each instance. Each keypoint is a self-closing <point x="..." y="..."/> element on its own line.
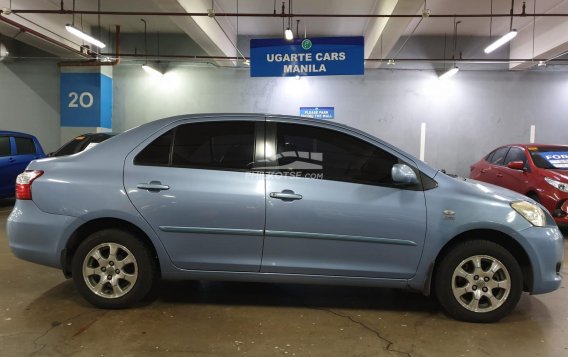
<point x="493" y="303"/>
<point x="125" y="287"/>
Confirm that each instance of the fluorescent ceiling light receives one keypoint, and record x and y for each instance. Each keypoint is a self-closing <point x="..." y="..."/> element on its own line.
<point x="151" y="70"/>
<point x="501" y="41"/>
<point x="288" y="34"/>
<point x="449" y="73"/>
<point x="84" y="36"/>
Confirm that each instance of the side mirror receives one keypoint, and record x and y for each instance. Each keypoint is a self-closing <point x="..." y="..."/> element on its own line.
<point x="404" y="175"/>
<point x="516" y="165"/>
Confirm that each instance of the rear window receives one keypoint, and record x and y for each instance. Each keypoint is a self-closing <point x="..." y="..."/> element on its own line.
<point x="550" y="157"/>
<point x="25" y="146"/>
<point x="210" y="145"/>
<point x="5" y="146"/>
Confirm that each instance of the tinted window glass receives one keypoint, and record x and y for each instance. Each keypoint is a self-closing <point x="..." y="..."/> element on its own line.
<point x="221" y="145"/>
<point x="499" y="156"/>
<point x="488" y="157"/>
<point x="158" y="152"/>
<point x="25" y="146"/>
<point x="5" y="146"/>
<point x="515" y="154"/>
<point x="312" y="152"/>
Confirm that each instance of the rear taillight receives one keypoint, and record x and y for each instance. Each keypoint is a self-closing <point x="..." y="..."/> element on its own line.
<point x="24" y="184"/>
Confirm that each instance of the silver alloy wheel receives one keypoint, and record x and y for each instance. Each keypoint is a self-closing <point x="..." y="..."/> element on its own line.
<point x="110" y="270"/>
<point x="481" y="283"/>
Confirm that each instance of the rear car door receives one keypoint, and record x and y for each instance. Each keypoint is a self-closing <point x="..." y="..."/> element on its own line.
<point x="333" y="209"/>
<point x="492" y="174"/>
<point x="26" y="151"/>
<point x="192" y="182"/>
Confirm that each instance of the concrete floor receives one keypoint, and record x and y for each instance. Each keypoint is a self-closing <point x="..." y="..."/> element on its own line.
<point x="41" y="314"/>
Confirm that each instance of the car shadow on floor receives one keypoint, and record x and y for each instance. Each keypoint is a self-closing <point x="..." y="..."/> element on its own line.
<point x="292" y="295"/>
<point x="7" y="203"/>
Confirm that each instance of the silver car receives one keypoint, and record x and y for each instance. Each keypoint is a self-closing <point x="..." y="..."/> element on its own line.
<point x="255" y="197"/>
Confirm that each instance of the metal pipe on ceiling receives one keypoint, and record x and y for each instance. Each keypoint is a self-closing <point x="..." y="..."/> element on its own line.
<point x="232" y="14"/>
<point x="232" y="58"/>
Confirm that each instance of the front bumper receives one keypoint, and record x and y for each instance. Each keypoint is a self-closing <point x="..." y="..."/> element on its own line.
<point x="37" y="236"/>
<point x="546" y="252"/>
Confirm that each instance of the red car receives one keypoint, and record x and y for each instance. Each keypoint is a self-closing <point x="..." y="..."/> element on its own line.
<point x="538" y="171"/>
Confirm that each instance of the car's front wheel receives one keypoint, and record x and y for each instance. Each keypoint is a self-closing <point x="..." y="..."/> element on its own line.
<point x="113" y="269"/>
<point x="478" y="281"/>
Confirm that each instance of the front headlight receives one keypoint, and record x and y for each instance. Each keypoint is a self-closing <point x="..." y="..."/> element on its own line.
<point x="557" y="184"/>
<point x="530" y="212"/>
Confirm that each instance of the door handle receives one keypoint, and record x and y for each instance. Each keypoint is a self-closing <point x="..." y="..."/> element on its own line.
<point x="286" y="195"/>
<point x="153" y="186"/>
<point x="11" y="159"/>
<point x="499" y="175"/>
<point x="483" y="171"/>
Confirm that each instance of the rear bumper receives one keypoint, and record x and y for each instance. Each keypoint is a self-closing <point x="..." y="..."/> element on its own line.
<point x="36" y="236"/>
<point x="546" y="252"/>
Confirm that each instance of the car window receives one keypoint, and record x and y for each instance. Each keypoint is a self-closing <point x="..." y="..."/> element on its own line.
<point x="306" y="151"/>
<point x="213" y="145"/>
<point x="498" y="157"/>
<point x="25" y="146"/>
<point x="5" y="149"/>
<point x="489" y="156"/>
<point x="515" y="154"/>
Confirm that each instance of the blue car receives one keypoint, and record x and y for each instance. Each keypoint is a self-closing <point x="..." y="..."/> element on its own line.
<point x="254" y="197"/>
<point x="16" y="152"/>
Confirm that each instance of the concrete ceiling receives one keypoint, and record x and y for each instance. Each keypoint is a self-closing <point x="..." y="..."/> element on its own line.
<point x="218" y="36"/>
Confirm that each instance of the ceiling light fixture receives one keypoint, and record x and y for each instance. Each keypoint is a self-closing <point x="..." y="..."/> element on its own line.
<point x="146" y="67"/>
<point x="507" y="37"/>
<point x="82" y="35"/>
<point x="452" y="71"/>
<point x="288" y="34"/>
<point x="449" y="73"/>
<point x="75" y="31"/>
<point x="151" y="70"/>
<point x="501" y="41"/>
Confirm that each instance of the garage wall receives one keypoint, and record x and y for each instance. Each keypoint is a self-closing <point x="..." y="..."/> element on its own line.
<point x="29" y="99"/>
<point x="465" y="117"/>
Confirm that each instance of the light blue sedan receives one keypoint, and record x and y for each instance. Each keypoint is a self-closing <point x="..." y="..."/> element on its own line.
<point x="256" y="197"/>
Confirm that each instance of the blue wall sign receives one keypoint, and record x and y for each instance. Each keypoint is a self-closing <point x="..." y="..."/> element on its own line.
<point x="86" y="100"/>
<point x="320" y="56"/>
<point x="317" y="112"/>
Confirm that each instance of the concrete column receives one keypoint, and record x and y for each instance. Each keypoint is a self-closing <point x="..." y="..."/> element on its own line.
<point x="86" y="100"/>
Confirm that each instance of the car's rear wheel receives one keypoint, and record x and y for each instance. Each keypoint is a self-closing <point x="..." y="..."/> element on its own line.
<point x="478" y="281"/>
<point x="113" y="269"/>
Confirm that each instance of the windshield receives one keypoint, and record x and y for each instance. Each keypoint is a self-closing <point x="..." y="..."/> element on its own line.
<point x="550" y="157"/>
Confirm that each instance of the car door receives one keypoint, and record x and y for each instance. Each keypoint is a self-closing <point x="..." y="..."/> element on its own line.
<point x="7" y="168"/>
<point x="26" y="151"/>
<point x="192" y="182"/>
<point x="333" y="209"/>
<point x="516" y="180"/>
<point x="493" y="173"/>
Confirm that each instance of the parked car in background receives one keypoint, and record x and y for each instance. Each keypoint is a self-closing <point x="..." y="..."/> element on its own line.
<point x="278" y="199"/>
<point x="80" y="143"/>
<point x="16" y="152"/>
<point x="537" y="171"/>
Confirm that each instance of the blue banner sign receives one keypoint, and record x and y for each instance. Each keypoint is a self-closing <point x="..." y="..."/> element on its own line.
<point x="320" y="56"/>
<point x="86" y="100"/>
<point x="317" y="112"/>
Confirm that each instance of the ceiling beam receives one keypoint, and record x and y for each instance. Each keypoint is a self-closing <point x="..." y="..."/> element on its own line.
<point x="550" y="39"/>
<point x="382" y="34"/>
<point x="215" y="36"/>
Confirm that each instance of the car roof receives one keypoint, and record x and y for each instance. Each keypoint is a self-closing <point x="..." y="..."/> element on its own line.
<point x="538" y="145"/>
<point x="15" y="133"/>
